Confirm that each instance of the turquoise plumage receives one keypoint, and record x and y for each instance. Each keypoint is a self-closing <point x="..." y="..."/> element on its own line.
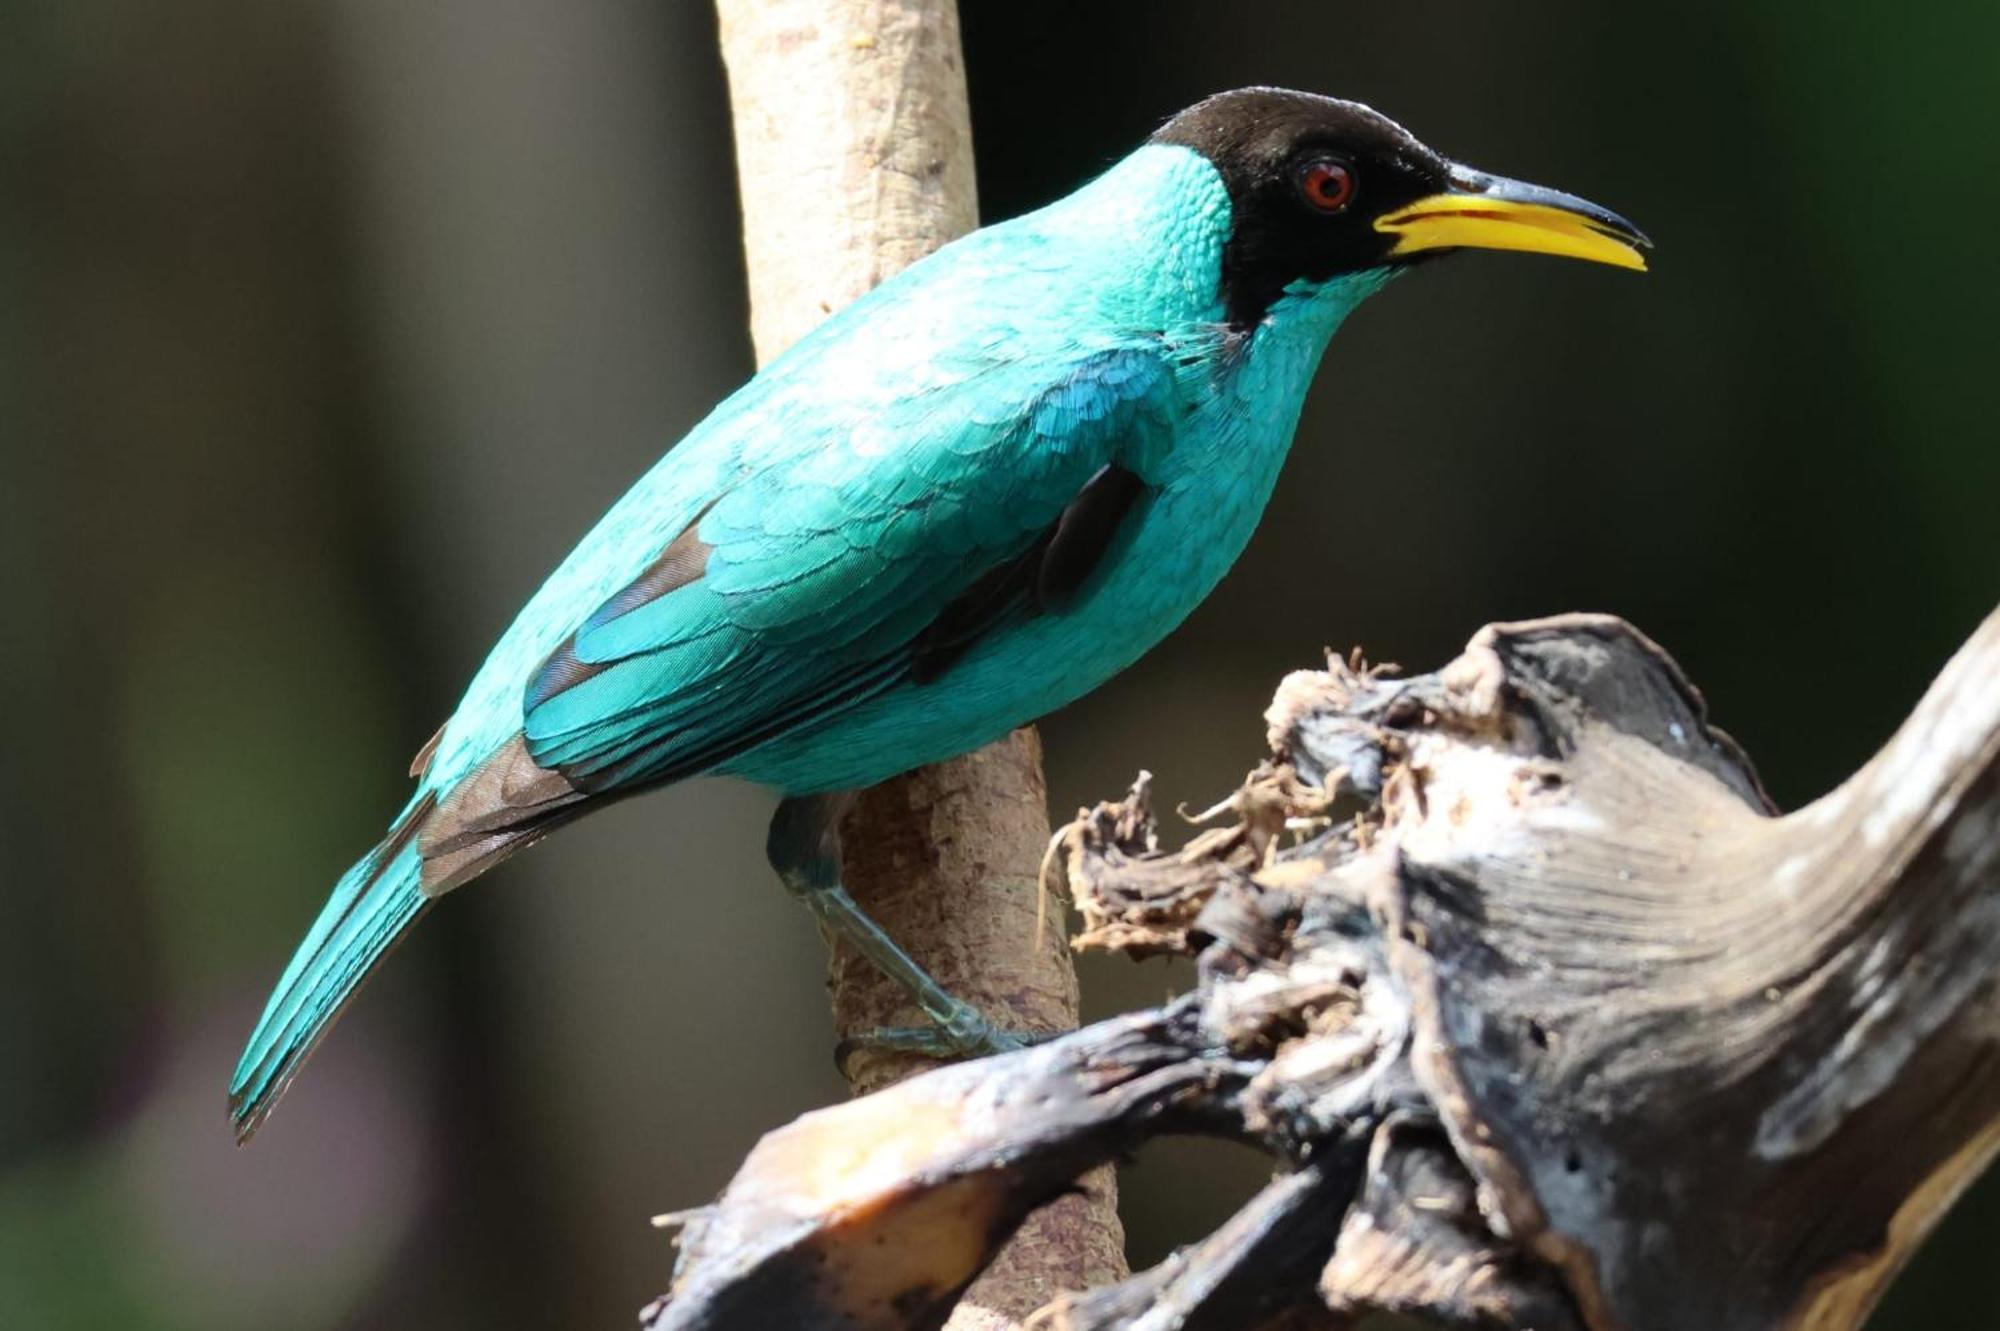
<point x="965" y="500"/>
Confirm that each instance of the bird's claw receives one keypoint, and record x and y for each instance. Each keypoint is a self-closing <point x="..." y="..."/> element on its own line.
<point x="960" y="1035"/>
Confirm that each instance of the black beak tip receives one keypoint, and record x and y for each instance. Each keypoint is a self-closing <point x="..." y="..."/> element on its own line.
<point x="1520" y="191"/>
<point x="1625" y="231"/>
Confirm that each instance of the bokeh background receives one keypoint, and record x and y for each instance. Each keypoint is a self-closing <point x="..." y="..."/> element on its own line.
<point x="326" y="326"/>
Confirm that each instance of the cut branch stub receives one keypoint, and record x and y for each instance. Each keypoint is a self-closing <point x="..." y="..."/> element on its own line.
<point x="1565" y="1028"/>
<point x="879" y="1212"/>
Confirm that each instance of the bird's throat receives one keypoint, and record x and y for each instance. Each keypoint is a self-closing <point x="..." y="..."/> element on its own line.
<point x="1284" y="349"/>
<point x="1309" y="313"/>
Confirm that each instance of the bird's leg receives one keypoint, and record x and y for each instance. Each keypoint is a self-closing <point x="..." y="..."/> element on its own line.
<point x="804" y="847"/>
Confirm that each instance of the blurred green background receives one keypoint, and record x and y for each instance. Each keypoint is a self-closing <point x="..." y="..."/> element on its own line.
<point x="327" y="326"/>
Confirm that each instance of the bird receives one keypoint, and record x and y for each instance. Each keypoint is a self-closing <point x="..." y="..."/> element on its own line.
<point x="970" y="497"/>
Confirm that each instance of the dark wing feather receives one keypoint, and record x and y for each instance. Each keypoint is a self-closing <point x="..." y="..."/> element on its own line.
<point x="1043" y="580"/>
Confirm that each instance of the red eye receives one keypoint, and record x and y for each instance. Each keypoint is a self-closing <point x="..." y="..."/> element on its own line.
<point x="1327" y="185"/>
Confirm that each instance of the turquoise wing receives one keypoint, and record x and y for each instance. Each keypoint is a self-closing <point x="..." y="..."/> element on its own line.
<point x="855" y="564"/>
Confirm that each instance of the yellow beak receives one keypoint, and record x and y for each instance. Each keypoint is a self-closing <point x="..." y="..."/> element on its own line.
<point x="1493" y="213"/>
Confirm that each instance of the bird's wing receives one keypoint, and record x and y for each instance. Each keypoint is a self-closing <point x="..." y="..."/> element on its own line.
<point x="873" y="558"/>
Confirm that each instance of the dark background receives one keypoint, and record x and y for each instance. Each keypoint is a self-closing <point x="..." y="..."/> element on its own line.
<point x="326" y="328"/>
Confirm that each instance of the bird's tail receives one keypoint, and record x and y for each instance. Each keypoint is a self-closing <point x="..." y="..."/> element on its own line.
<point x="372" y="907"/>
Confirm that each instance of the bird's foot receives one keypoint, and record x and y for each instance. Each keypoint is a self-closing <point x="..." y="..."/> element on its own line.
<point x="808" y="862"/>
<point x="964" y="1034"/>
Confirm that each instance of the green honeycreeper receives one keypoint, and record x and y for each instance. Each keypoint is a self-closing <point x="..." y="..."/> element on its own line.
<point x="970" y="497"/>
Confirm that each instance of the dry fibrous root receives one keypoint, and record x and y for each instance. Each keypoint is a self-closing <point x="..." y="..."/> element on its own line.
<point x="1545" y="1016"/>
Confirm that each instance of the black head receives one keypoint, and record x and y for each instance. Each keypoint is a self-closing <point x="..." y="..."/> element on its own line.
<point x="1320" y="187"/>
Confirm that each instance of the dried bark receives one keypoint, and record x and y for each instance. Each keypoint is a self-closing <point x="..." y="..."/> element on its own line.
<point x="1548" y="1018"/>
<point x="854" y="157"/>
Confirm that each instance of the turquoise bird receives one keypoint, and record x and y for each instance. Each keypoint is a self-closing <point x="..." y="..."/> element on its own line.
<point x="972" y="496"/>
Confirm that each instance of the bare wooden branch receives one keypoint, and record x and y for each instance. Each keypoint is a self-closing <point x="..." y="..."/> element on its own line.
<point x="1781" y="1030"/>
<point x="853" y="148"/>
<point x="854" y="159"/>
<point x="879" y="1212"/>
<point x="1550" y="1019"/>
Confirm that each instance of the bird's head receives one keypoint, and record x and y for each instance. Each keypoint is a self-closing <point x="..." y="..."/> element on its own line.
<point x="1320" y="187"/>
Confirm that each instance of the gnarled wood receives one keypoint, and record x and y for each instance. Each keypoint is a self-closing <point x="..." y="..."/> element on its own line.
<point x="1641" y="996"/>
<point x="1550" y="1020"/>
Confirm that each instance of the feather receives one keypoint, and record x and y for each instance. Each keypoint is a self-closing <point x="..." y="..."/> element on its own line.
<point x="371" y="909"/>
<point x="802" y="592"/>
<point x="426" y="755"/>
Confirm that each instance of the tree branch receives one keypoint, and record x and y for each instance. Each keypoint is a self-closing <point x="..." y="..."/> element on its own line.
<point x="1551" y="1019"/>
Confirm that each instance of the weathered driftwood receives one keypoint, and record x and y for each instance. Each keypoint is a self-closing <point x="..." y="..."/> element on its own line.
<point x="1547" y="1017"/>
<point x="854" y="159"/>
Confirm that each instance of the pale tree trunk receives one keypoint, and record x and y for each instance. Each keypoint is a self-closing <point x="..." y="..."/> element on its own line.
<point x="854" y="159"/>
